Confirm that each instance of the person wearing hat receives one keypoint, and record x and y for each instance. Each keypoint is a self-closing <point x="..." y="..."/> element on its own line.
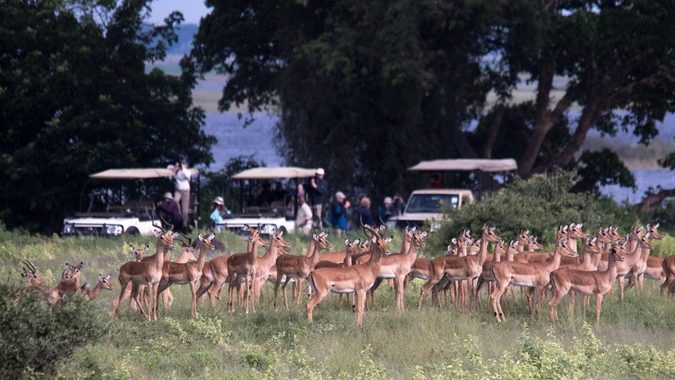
<point x="384" y="211"/>
<point x="182" y="193"/>
<point x="338" y="213"/>
<point x="317" y="190"/>
<point x="167" y="208"/>
<point x="303" y="220"/>
<point x="217" y="210"/>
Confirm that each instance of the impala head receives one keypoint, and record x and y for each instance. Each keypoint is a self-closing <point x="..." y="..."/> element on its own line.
<point x="364" y="246"/>
<point x="278" y="239"/>
<point x="322" y="240"/>
<point x="564" y="245"/>
<point x="453" y="247"/>
<point x="419" y="238"/>
<point x="636" y="233"/>
<point x="616" y="254"/>
<point x="139" y="253"/>
<point x="614" y="233"/>
<point x="593" y="246"/>
<point x="490" y="234"/>
<point x="605" y="235"/>
<point x="534" y="244"/>
<point x="30" y="274"/>
<point x="207" y="240"/>
<point x="380" y="244"/>
<point x="523" y="237"/>
<point x="105" y="282"/>
<point x="654" y="231"/>
<point x="500" y="245"/>
<point x="562" y="232"/>
<point x="646" y="241"/>
<point x="465" y="235"/>
<point x="576" y="231"/>
<point x="165" y="238"/>
<point x="513" y="245"/>
<point x="352" y="247"/>
<point x="72" y="271"/>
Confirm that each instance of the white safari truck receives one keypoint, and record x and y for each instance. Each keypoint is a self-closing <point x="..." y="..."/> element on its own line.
<point x="425" y="206"/>
<point x="119" y="202"/>
<point x="279" y="214"/>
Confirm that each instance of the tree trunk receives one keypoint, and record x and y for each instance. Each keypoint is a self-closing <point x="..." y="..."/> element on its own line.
<point x="542" y="121"/>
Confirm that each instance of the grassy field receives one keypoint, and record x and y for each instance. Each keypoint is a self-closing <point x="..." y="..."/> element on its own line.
<point x="636" y="338"/>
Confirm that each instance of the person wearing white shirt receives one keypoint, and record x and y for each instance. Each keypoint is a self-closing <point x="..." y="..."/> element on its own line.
<point x="182" y="193"/>
<point x="303" y="221"/>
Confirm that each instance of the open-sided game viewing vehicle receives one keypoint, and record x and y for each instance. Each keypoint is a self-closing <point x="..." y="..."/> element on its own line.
<point x="279" y="211"/>
<point x="121" y="201"/>
<point x="426" y="205"/>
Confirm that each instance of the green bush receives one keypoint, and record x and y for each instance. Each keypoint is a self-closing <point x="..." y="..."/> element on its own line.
<point x="540" y="204"/>
<point x="35" y="335"/>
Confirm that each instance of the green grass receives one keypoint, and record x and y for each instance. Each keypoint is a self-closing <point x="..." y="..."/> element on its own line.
<point x="636" y="338"/>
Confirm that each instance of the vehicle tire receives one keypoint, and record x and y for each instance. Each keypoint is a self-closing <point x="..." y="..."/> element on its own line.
<point x="132" y="231"/>
<point x="283" y="230"/>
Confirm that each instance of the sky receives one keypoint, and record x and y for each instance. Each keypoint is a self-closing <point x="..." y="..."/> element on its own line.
<point x="192" y="10"/>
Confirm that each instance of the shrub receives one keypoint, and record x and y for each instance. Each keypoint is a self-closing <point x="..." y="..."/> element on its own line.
<point x="35" y="335"/>
<point x="540" y="204"/>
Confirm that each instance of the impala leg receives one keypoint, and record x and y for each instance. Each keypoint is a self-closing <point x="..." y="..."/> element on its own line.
<point x="155" y="295"/>
<point x="423" y="290"/>
<point x="248" y="290"/>
<point x="360" y="295"/>
<point x="570" y="304"/>
<point x="299" y="291"/>
<point x="317" y="297"/>
<point x="399" y="288"/>
<point x="622" y="286"/>
<point x="598" y="307"/>
<point x="283" y="290"/>
<point x="276" y="287"/>
<point x="193" y="288"/>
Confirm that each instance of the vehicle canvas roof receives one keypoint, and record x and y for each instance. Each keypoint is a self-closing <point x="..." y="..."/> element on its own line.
<point x="136" y="173"/>
<point x="275" y="173"/>
<point x="486" y="165"/>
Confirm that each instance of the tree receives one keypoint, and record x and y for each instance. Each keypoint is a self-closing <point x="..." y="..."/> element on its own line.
<point x="369" y="88"/>
<point x="75" y="98"/>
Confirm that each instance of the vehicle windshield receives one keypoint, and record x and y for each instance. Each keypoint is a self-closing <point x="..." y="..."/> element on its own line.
<point x="432" y="203"/>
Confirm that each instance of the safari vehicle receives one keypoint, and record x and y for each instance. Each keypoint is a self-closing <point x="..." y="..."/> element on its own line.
<point x="279" y="214"/>
<point x="120" y="201"/>
<point x="425" y="206"/>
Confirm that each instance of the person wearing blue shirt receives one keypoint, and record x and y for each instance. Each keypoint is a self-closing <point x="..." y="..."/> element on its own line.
<point x="218" y="209"/>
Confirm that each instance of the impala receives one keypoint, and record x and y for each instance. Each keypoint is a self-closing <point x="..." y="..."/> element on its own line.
<point x="103" y="283"/>
<point x="356" y="279"/>
<point x="571" y="232"/>
<point x="486" y="275"/>
<point x="68" y="285"/>
<point x="639" y="271"/>
<point x="594" y="282"/>
<point x="133" y="291"/>
<point x="185" y="273"/>
<point x="529" y="275"/>
<point x="457" y="268"/>
<point x="668" y="266"/>
<point x="32" y="279"/>
<point x="242" y="268"/>
<point x="299" y="267"/>
<point x="147" y="273"/>
<point x="266" y="265"/>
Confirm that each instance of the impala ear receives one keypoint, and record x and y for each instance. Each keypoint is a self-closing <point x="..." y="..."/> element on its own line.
<point x="657" y="225"/>
<point x="453" y="241"/>
<point x="346" y="241"/>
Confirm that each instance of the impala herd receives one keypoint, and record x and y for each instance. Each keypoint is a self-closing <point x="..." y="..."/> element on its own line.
<point x="359" y="269"/>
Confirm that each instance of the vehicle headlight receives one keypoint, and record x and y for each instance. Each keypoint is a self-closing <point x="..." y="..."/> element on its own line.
<point x="68" y="229"/>
<point x="113" y="229"/>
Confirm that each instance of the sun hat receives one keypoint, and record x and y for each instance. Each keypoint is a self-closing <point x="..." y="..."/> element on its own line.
<point x="387" y="200"/>
<point x="339" y="195"/>
<point x="320" y="171"/>
<point x="168" y="195"/>
<point x="219" y="201"/>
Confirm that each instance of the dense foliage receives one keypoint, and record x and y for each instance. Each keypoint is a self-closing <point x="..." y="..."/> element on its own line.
<point x="366" y="89"/>
<point x="36" y="336"/>
<point x="75" y="98"/>
<point x="538" y="204"/>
